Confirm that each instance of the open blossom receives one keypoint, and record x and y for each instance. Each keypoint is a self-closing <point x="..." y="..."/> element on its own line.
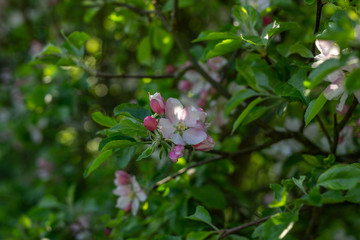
<point x="206" y="145"/>
<point x="336" y="89"/>
<point x="157" y="103"/>
<point x="183" y="125"/>
<point x="150" y="123"/>
<point x="129" y="192"/>
<point x="176" y="152"/>
<point x="216" y="63"/>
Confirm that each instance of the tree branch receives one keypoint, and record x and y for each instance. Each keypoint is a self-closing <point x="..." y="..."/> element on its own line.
<point x="322" y="126"/>
<point x="348" y="115"/>
<point x="174" y="15"/>
<point x="187" y="53"/>
<point x="230" y="231"/>
<point x="110" y="75"/>
<point x="319" y="6"/>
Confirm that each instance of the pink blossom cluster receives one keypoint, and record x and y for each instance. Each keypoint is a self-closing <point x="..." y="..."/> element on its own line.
<point x="129" y="192"/>
<point x="183" y="126"/>
<point x="336" y="89"/>
<point x="194" y="82"/>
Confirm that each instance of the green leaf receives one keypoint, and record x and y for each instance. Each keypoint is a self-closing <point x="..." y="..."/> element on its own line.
<point x="277" y="227"/>
<point x="353" y="195"/>
<point x="144" y="51"/>
<point x="225" y="46"/>
<point x="50" y="49"/>
<point x="332" y="196"/>
<point x="238" y="98"/>
<point x="275" y="28"/>
<point x="103" y="120"/>
<point x="198" y="235"/>
<point x="253" y="40"/>
<point x="301" y="50"/>
<point x="130" y="128"/>
<point x="286" y="90"/>
<point x="314" y="108"/>
<point x="244" y="113"/>
<point x="162" y="40"/>
<point x="211" y="35"/>
<point x="113" y="138"/>
<point x="340" y="177"/>
<point x="352" y="81"/>
<point x="97" y="162"/>
<point x="131" y="110"/>
<point x="202" y="215"/>
<point x="309" y="2"/>
<point x="210" y="196"/>
<point x="254" y="114"/>
<point x="90" y="13"/>
<point x="147" y="153"/>
<point x="247" y="15"/>
<point x="314" y="197"/>
<point x="118" y="144"/>
<point x="246" y="72"/>
<point x="300" y="183"/>
<point x="78" y="39"/>
<point x="124" y="156"/>
<point x="280" y="196"/>
<point x="319" y="73"/>
<point x="312" y="160"/>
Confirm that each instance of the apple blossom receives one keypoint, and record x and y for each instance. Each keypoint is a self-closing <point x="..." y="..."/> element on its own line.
<point x="157" y="103"/>
<point x="184" y="85"/>
<point x="216" y="63"/>
<point x="130" y="194"/>
<point x="122" y="178"/>
<point x="150" y="123"/>
<point x="176" y="152"/>
<point x="206" y="145"/>
<point x="182" y="125"/>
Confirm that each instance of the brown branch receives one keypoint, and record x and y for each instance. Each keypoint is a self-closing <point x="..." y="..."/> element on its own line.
<point x="348" y="114"/>
<point x="174" y="15"/>
<point x="322" y="126"/>
<point x="187" y="53"/>
<point x="110" y="75"/>
<point x="224" y="156"/>
<point x="230" y="231"/>
<point x="336" y="136"/>
<point x="319" y="6"/>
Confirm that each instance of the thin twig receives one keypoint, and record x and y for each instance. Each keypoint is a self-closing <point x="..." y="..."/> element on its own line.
<point x="110" y="75"/>
<point x="348" y="114"/>
<point x="230" y="231"/>
<point x="319" y="6"/>
<point x="224" y="156"/>
<point x="187" y="53"/>
<point x="336" y="136"/>
<point x="322" y="126"/>
<point x="174" y="15"/>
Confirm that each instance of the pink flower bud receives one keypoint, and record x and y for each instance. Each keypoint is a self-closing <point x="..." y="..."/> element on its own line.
<point x="266" y="20"/>
<point x="206" y="145"/>
<point x="184" y="85"/>
<point x="169" y="69"/>
<point x="201" y="102"/>
<point x="176" y="152"/>
<point x="157" y="103"/>
<point x="107" y="231"/>
<point x="122" y="178"/>
<point x="150" y="123"/>
<point x="343" y="111"/>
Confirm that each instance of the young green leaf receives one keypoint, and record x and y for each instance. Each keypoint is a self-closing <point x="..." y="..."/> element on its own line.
<point x="243" y="115"/>
<point x="340" y="177"/>
<point x="97" y="162"/>
<point x="352" y="81"/>
<point x="148" y="151"/>
<point x="103" y="120"/>
<point x="314" y="108"/>
<point x="238" y="98"/>
<point x="118" y="144"/>
<point x="202" y="215"/>
<point x="144" y="51"/>
<point x="131" y="110"/>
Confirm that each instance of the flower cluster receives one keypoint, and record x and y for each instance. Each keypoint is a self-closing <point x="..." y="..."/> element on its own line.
<point x="129" y="192"/>
<point x="336" y="89"/>
<point x="194" y="82"/>
<point x="183" y="126"/>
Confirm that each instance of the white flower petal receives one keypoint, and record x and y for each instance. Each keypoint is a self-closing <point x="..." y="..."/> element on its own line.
<point x="141" y="196"/>
<point x="166" y="128"/>
<point x="173" y="109"/>
<point x="194" y="136"/>
<point x="343" y="98"/>
<point x="177" y="139"/>
<point x="192" y="116"/>
<point x="135" y="206"/>
<point x="123" y="190"/>
<point x="123" y="202"/>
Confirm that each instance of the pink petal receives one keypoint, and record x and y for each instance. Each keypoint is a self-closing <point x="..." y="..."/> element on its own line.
<point x="166" y="128"/>
<point x="177" y="139"/>
<point x="123" y="190"/>
<point x="343" y="98"/>
<point x="173" y="109"/>
<point x="194" y="136"/>
<point x="335" y="89"/>
<point x="192" y="116"/>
